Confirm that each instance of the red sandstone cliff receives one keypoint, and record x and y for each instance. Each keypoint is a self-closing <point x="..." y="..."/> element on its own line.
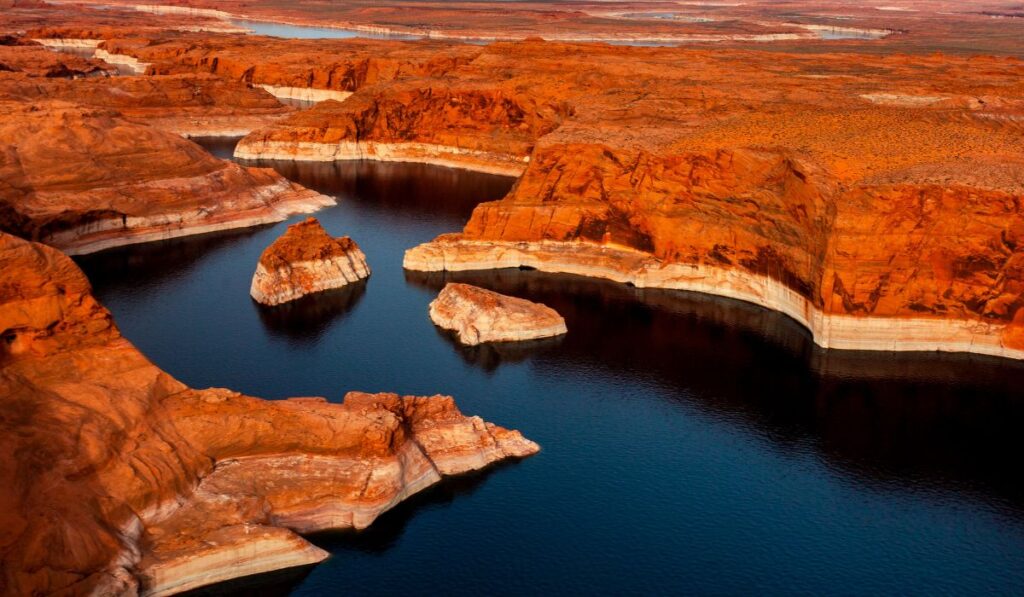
<point x="84" y="179"/>
<point x="118" y="477"/>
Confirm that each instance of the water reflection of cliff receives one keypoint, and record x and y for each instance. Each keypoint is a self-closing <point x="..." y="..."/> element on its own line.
<point x="489" y="356"/>
<point x="437" y="194"/>
<point x="137" y="266"/>
<point x="948" y="419"/>
<point x="305" y="319"/>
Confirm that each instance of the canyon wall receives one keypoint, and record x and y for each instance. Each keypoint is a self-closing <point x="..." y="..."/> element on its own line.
<point x="122" y="479"/>
<point x="84" y="179"/>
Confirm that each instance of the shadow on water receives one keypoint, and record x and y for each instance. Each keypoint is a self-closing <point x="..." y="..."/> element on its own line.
<point x="887" y="417"/>
<point x="270" y="584"/>
<point x="490" y="356"/>
<point x="147" y="263"/>
<point x="732" y="450"/>
<point x="385" y="532"/>
<point x="304" y="320"/>
<point x="221" y="147"/>
<point x="401" y="189"/>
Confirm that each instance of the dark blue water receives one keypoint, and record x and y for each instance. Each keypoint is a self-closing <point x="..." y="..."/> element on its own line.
<point x="690" y="444"/>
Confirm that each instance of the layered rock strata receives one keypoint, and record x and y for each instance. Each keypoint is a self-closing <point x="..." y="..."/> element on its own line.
<point x="190" y="104"/>
<point x="886" y="225"/>
<point x="307" y="70"/>
<point x="304" y="260"/>
<point x="478" y="316"/>
<point x="490" y="128"/>
<point x="35" y="61"/>
<point x="84" y="179"/>
<point x="152" y="490"/>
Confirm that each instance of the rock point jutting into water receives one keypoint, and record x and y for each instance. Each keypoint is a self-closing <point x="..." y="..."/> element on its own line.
<point x="304" y="260"/>
<point x="115" y="182"/>
<point x="857" y="167"/>
<point x="160" y="488"/>
<point x="477" y="316"/>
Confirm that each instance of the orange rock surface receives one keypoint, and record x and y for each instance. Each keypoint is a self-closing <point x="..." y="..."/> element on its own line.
<point x="193" y="105"/>
<point x="868" y="187"/>
<point x="304" y="260"/>
<point x="119" y="478"/>
<point x="84" y="179"/>
<point x="37" y="61"/>
<point x="478" y="315"/>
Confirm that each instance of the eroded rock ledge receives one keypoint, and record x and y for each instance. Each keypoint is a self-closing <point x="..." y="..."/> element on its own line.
<point x="640" y="269"/>
<point x="477" y="315"/>
<point x="112" y="182"/>
<point x="152" y="490"/>
<point x="304" y="260"/>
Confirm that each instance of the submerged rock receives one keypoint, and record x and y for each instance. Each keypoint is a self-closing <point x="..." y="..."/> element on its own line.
<point x="306" y="260"/>
<point x="477" y="315"/>
<point x="161" y="488"/>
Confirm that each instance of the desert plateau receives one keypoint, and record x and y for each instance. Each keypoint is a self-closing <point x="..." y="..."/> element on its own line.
<point x="570" y="297"/>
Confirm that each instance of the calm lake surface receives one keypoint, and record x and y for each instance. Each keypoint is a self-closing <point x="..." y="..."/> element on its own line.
<point x="690" y="444"/>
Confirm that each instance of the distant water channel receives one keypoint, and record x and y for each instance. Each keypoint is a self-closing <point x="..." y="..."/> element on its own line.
<point x="690" y="444"/>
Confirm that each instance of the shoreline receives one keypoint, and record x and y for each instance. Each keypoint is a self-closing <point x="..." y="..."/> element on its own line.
<point x="305" y="94"/>
<point x="628" y="266"/>
<point x="422" y="153"/>
<point x="117" y="232"/>
<point x="432" y="34"/>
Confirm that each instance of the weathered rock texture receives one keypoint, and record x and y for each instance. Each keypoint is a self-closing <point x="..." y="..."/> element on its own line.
<point x="304" y="260"/>
<point x="118" y="478"/>
<point x="84" y="179"/>
<point x="37" y="61"/>
<point x="832" y="192"/>
<point x="477" y="315"/>
<point x="191" y="104"/>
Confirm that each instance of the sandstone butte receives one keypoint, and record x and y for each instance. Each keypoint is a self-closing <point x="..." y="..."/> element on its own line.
<point x="84" y="179"/>
<point x="118" y="478"/>
<point x="304" y="260"/>
<point x="874" y="199"/>
<point x="477" y="316"/>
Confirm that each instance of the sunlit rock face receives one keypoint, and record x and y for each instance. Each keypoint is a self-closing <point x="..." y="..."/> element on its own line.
<point x="119" y="478"/>
<point x="304" y="260"/>
<point x="477" y="316"/>
<point x="85" y="179"/>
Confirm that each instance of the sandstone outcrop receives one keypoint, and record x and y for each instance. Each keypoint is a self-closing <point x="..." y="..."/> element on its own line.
<point x="878" y="225"/>
<point x="193" y="105"/>
<point x="118" y="478"/>
<point x="304" y="260"/>
<point x="489" y="128"/>
<point x="37" y="61"/>
<point x="477" y="316"/>
<point x="84" y="179"/>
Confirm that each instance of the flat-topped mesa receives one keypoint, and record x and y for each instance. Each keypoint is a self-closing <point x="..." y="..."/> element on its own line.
<point x="85" y="179"/>
<point x="153" y="493"/>
<point x="488" y="127"/>
<point x="477" y="316"/>
<point x="304" y="260"/>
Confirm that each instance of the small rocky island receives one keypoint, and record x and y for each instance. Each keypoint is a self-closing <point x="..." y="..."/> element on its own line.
<point x="477" y="316"/>
<point x="306" y="260"/>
